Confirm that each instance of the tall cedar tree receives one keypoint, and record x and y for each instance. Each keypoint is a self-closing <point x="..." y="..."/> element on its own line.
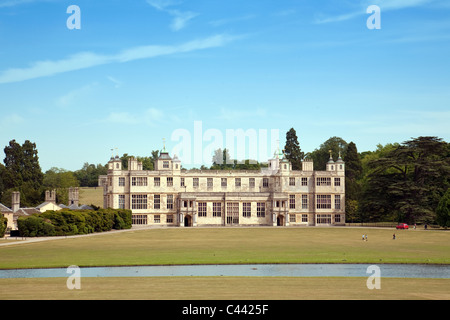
<point x="22" y="171"/>
<point x="353" y="171"/>
<point x="409" y="181"/>
<point x="292" y="150"/>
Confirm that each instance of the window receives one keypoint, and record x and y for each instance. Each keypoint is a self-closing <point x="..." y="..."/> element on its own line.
<point x="166" y="164"/>
<point x="157" y="181"/>
<point x="251" y="182"/>
<point x="157" y="202"/>
<point x="209" y="183"/>
<point x="260" y="209"/>
<point x="324" y="219"/>
<point x="232" y="212"/>
<point x="265" y="182"/>
<point x="139" y="219"/>
<point x="223" y="182"/>
<point x="169" y="181"/>
<point x="323" y="201"/>
<point x="292" y="218"/>
<point x="139" y="181"/>
<point x="139" y="201"/>
<point x="157" y="218"/>
<point x="292" y="181"/>
<point x="337" y="218"/>
<point x="121" y="201"/>
<point x="246" y="209"/>
<point x="304" y="201"/>
<point x="324" y="181"/>
<point x="170" y="201"/>
<point x="304" y="218"/>
<point x="121" y="181"/>
<point x="169" y="218"/>
<point x="202" y="209"/>
<point x="182" y="182"/>
<point x="304" y="181"/>
<point x="337" y="201"/>
<point x="292" y="201"/>
<point x="195" y="182"/>
<point x="237" y="182"/>
<point x="337" y="182"/>
<point x="217" y="209"/>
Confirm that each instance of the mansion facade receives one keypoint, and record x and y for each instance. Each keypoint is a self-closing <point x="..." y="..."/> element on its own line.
<point x="272" y="196"/>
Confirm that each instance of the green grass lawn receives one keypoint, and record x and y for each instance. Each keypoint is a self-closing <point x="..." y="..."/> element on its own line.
<point x="229" y="245"/>
<point x="233" y="245"/>
<point x="90" y="196"/>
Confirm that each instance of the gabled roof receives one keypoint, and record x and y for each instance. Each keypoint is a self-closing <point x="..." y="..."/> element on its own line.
<point x="5" y="209"/>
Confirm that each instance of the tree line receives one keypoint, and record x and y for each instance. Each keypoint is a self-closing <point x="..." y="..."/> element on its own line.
<point x="407" y="182"/>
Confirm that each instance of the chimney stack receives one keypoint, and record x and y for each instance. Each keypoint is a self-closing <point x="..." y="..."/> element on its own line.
<point x="15" y="201"/>
<point x="50" y="196"/>
<point x="73" y="196"/>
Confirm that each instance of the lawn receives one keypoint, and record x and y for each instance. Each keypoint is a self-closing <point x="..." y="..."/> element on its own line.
<point x="233" y="245"/>
<point x="90" y="196"/>
<point x="225" y="288"/>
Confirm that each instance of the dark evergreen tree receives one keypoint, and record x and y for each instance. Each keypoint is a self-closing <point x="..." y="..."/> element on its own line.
<point x="292" y="150"/>
<point x="22" y="172"/>
<point x="409" y="181"/>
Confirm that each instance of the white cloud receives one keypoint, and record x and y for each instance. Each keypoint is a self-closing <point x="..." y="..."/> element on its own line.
<point x="70" y="98"/>
<point x="85" y="60"/>
<point x="180" y="18"/>
<point x="385" y="5"/>
<point x="150" y="117"/>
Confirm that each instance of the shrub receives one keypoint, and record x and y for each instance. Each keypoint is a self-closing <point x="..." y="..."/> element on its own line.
<point x="72" y="222"/>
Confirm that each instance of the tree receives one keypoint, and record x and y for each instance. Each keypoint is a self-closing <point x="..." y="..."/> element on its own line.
<point x="409" y="181"/>
<point x="22" y="172"/>
<point x="322" y="155"/>
<point x="60" y="180"/>
<point x="88" y="175"/>
<point x="443" y="210"/>
<point x="292" y="150"/>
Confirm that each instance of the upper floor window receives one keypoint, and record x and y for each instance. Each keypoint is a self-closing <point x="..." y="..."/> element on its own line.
<point x="166" y="164"/>
<point x="323" y="181"/>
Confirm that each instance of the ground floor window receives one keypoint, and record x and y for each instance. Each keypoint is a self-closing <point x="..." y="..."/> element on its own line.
<point x="246" y="209"/>
<point x="324" y="219"/>
<point x="260" y="209"/>
<point x="304" y="218"/>
<point x="292" y="218"/>
<point x="337" y="218"/>
<point x="217" y="209"/>
<point x="139" y="219"/>
<point x="202" y="209"/>
<point x="169" y="218"/>
<point x="232" y="213"/>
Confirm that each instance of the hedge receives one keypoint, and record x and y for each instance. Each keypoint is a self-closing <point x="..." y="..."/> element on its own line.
<point x="73" y="222"/>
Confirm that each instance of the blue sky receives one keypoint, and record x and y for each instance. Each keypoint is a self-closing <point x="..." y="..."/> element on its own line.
<point x="139" y="70"/>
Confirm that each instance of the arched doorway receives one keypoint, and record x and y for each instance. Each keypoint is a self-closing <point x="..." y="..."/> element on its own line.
<point x="187" y="221"/>
<point x="280" y="221"/>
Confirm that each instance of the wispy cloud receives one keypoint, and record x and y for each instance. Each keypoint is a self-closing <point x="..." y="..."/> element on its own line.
<point x="385" y="5"/>
<point x="85" y="60"/>
<point x="150" y="116"/>
<point x="180" y="18"/>
<point x="70" y="98"/>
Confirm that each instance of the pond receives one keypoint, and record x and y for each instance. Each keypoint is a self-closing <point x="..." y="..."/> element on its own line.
<point x="245" y="270"/>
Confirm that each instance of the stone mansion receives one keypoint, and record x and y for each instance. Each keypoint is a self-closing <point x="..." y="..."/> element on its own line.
<point x="273" y="196"/>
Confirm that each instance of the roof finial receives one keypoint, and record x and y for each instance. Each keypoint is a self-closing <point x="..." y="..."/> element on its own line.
<point x="331" y="157"/>
<point x="164" y="144"/>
